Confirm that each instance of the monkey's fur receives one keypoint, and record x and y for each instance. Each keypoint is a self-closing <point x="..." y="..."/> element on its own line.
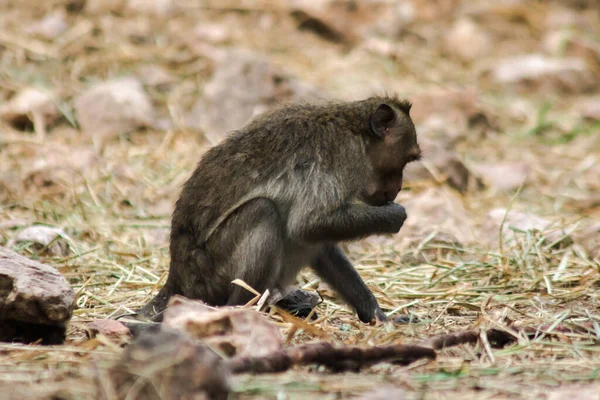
<point x="278" y="194"/>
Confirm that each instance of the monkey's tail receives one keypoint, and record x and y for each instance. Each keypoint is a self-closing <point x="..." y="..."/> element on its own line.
<point x="153" y="311"/>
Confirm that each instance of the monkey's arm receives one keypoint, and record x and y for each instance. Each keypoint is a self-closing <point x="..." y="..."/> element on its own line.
<point x="333" y="266"/>
<point x="347" y="223"/>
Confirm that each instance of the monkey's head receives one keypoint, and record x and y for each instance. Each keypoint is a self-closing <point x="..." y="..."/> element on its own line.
<point x="391" y="145"/>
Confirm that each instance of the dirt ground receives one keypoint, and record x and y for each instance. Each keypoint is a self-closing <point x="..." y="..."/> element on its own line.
<point x="504" y="210"/>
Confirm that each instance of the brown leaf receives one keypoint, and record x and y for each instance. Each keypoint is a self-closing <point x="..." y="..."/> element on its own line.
<point x="108" y="327"/>
<point x="235" y="331"/>
<point x="441" y="163"/>
<point x="504" y="176"/>
<point x="436" y="209"/>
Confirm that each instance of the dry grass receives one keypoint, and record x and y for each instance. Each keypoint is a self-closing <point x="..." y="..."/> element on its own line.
<point x="116" y="209"/>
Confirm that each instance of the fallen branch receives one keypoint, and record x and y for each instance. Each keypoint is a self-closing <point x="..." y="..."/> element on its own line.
<point x="337" y="359"/>
<point x="496" y="337"/>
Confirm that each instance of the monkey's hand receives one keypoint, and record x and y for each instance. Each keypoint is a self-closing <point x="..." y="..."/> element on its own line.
<point x="396" y="217"/>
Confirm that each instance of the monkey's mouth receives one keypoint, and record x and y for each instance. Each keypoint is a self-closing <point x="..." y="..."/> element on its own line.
<point x="377" y="200"/>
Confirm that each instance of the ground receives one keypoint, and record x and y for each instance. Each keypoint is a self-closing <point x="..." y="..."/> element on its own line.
<point x="112" y="194"/>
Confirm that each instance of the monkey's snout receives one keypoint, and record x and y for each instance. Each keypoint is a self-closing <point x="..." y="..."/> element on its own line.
<point x="390" y="196"/>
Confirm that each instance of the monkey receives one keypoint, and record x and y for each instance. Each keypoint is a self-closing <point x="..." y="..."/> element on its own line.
<point x="281" y="193"/>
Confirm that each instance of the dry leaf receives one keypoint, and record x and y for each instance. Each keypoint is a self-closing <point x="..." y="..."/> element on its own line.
<point x="236" y="332"/>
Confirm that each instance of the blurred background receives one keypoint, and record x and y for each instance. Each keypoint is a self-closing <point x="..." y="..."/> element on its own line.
<point x="106" y="106"/>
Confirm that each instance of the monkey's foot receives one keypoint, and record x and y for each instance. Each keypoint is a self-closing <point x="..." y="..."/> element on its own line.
<point x="299" y="302"/>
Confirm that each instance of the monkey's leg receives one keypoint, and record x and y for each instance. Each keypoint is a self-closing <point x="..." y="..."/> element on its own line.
<point x="333" y="266"/>
<point x="249" y="246"/>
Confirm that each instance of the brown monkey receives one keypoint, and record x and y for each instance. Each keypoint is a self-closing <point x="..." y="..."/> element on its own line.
<point x="278" y="194"/>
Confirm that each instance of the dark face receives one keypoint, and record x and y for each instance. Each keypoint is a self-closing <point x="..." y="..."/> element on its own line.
<point x="394" y="146"/>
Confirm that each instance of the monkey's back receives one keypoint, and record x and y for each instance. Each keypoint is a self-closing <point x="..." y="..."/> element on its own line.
<point x="295" y="153"/>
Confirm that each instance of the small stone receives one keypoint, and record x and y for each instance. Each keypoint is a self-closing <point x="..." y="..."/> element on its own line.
<point x="212" y="32"/>
<point x="504" y="176"/>
<point x="569" y="73"/>
<point x="51" y="26"/>
<point x="158" y="8"/>
<point x="53" y="240"/>
<point x="468" y="41"/>
<point x="154" y="75"/>
<point x="114" y="107"/>
<point x="29" y="106"/>
<point x="590" y="107"/>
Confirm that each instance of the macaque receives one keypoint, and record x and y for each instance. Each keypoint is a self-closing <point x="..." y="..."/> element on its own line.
<point x="281" y="193"/>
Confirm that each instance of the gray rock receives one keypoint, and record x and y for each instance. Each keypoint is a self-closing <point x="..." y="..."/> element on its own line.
<point x="114" y="107"/>
<point x="35" y="300"/>
<point x="243" y="85"/>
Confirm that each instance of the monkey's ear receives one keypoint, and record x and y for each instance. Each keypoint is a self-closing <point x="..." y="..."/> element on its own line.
<point x="382" y="119"/>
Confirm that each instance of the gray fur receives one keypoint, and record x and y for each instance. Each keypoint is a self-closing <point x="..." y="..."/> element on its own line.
<point x="277" y="195"/>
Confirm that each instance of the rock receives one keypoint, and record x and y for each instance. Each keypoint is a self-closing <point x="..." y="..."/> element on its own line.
<point x="108" y="327"/>
<point x="114" y="107"/>
<point x="505" y="176"/>
<point x="588" y="238"/>
<point x="29" y="107"/>
<point x="57" y="169"/>
<point x="468" y="41"/>
<point x="490" y="231"/>
<point x="35" y="300"/>
<point x="50" y="26"/>
<point x="385" y="393"/>
<point x="562" y="17"/>
<point x="154" y="75"/>
<point x="568" y="74"/>
<point x="590" y="107"/>
<point x="167" y="365"/>
<point x="586" y="391"/>
<point x="102" y="7"/>
<point x="236" y="332"/>
<point x="213" y="32"/>
<point x="53" y="240"/>
<point x="243" y="85"/>
<point x="436" y="210"/>
<point x="442" y="164"/>
<point x="450" y="113"/>
<point x="157" y="8"/>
